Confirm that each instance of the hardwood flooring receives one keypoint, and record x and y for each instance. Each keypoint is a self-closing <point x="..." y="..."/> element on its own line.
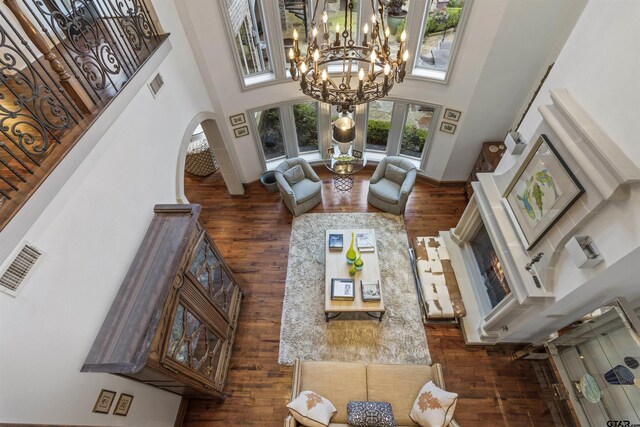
<point x="253" y="232"/>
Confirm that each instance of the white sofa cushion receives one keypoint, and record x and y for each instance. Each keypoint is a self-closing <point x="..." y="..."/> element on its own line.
<point x="434" y="406"/>
<point x="312" y="410"/>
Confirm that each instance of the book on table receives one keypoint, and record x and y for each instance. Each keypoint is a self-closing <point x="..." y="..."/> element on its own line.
<point x="342" y="289"/>
<point x="370" y="290"/>
<point x="335" y="242"/>
<point x="365" y="242"/>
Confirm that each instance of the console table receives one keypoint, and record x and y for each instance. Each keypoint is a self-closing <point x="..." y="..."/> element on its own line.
<point x="344" y="167"/>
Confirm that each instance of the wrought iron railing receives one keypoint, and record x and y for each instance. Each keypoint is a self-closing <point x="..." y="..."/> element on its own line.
<point x="61" y="62"/>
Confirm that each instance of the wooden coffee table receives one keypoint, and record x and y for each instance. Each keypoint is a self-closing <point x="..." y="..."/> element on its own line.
<point x="336" y="267"/>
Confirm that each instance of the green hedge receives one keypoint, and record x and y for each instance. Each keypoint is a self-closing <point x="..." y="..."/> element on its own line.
<point x="377" y="132"/>
<point x="306" y="124"/>
<point x="413" y="138"/>
<point x="433" y="26"/>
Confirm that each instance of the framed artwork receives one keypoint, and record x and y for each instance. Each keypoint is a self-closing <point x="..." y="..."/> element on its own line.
<point x="541" y="191"/>
<point x="237" y="119"/>
<point x="448" y="127"/>
<point x="357" y="154"/>
<point x="452" y="115"/>
<point x="123" y="405"/>
<point x="330" y="151"/>
<point x="104" y="402"/>
<point x="240" y="132"/>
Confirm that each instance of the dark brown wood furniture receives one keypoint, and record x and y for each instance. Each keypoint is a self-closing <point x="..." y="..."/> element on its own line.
<point x="490" y="156"/>
<point x="173" y="321"/>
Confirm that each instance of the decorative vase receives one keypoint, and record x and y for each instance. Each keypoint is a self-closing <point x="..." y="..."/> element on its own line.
<point x="351" y="253"/>
<point x="358" y="263"/>
<point x="394" y="21"/>
<point x="352" y="270"/>
<point x="619" y="375"/>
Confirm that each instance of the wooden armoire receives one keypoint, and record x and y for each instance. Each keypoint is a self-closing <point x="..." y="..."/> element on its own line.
<point x="173" y="320"/>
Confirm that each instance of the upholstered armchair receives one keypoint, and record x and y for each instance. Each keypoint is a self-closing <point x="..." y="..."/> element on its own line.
<point x="299" y="185"/>
<point x="391" y="184"/>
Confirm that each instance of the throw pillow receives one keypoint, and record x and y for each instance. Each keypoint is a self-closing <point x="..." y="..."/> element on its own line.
<point x="433" y="406"/>
<point x="294" y="175"/>
<point x="395" y="174"/>
<point x="370" y="414"/>
<point x="311" y="409"/>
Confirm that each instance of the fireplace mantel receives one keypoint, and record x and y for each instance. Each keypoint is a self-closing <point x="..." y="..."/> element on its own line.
<point x="600" y="166"/>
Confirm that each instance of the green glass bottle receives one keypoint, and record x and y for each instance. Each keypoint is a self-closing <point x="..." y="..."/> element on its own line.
<point x="351" y="253"/>
<point x="358" y="263"/>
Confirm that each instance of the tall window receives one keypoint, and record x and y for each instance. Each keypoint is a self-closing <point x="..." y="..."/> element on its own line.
<point x="335" y="15"/>
<point x="247" y="24"/>
<point x="439" y="35"/>
<point x="379" y="122"/>
<point x="270" y="133"/>
<point x="416" y="130"/>
<point x="306" y="121"/>
<point x="295" y="16"/>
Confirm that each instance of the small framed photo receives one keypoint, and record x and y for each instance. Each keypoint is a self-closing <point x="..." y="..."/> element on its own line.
<point x="448" y="127"/>
<point x="330" y="151"/>
<point x="452" y="115"/>
<point x="240" y="132"/>
<point x="238" y="119"/>
<point x="342" y="289"/>
<point x="123" y="405"/>
<point x="104" y="402"/>
<point x="357" y="154"/>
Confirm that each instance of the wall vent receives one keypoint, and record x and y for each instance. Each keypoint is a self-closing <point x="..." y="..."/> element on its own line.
<point x="156" y="84"/>
<point x="17" y="272"/>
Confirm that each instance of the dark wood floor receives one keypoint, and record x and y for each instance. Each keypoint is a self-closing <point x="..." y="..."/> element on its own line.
<point x="253" y="232"/>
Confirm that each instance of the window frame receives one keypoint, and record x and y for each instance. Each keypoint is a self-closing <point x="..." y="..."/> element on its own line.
<point x="419" y="20"/>
<point x="264" y="77"/>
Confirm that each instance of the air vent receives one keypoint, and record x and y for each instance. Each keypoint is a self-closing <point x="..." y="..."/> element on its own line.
<point x="156" y="84"/>
<point x="15" y="275"/>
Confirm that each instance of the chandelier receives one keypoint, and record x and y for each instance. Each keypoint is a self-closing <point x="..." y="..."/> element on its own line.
<point x="367" y="71"/>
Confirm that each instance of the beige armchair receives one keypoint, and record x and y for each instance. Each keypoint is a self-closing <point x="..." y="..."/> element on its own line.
<point x="391" y="184"/>
<point x="299" y="185"/>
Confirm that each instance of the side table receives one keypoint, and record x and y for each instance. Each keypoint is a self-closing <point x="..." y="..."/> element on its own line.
<point x="344" y="167"/>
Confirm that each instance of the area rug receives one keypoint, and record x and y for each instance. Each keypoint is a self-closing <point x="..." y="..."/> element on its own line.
<point x="304" y="334"/>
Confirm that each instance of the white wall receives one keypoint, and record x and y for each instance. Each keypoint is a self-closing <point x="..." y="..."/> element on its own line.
<point x="598" y="66"/>
<point x="90" y="233"/>
<point x="499" y="60"/>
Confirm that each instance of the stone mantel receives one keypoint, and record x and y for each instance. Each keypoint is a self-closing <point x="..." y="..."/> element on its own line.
<point x="604" y="171"/>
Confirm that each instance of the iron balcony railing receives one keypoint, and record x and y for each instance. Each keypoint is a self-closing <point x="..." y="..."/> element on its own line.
<point x="61" y="62"/>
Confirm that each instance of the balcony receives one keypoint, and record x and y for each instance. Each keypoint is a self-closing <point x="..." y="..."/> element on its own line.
<point x="61" y="65"/>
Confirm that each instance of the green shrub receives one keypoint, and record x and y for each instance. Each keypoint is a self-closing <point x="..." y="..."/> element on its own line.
<point x="377" y="132"/>
<point x="413" y="138"/>
<point x="436" y="25"/>
<point x="306" y="120"/>
<point x="401" y="26"/>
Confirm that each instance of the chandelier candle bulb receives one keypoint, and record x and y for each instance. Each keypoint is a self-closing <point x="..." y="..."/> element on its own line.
<point x="316" y="56"/>
<point x="337" y="34"/>
<point x="295" y="41"/>
<point x="314" y="33"/>
<point x="365" y="30"/>
<point x="373" y="64"/>
<point x="325" y="30"/>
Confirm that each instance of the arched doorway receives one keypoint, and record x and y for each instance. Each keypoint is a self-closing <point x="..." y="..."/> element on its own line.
<point x="211" y="134"/>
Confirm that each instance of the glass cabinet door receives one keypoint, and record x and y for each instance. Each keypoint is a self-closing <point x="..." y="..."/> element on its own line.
<point x="600" y="365"/>
<point x="193" y="344"/>
<point x="208" y="270"/>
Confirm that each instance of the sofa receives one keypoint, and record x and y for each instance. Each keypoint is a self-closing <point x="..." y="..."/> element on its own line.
<point x="389" y="190"/>
<point x="341" y="382"/>
<point x="302" y="195"/>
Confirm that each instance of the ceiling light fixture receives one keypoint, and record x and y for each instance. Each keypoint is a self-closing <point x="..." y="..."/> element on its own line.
<point x="325" y="72"/>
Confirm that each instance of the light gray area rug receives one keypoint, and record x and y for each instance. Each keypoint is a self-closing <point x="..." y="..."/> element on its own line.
<point x="304" y="334"/>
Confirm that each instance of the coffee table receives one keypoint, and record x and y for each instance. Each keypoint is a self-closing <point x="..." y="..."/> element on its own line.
<point x="336" y="267"/>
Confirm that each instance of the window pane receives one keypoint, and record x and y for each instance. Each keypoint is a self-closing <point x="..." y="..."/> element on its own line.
<point x="416" y="130"/>
<point x="306" y="119"/>
<point x="295" y="15"/>
<point x="247" y="28"/>
<point x="270" y="132"/>
<point x="335" y="13"/>
<point x="439" y="35"/>
<point x="378" y="125"/>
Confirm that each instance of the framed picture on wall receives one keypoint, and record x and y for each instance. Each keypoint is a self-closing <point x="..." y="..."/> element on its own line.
<point x="240" y="132"/>
<point x="541" y="191"/>
<point x="452" y="115"/>
<point x="448" y="127"/>
<point x="123" y="405"/>
<point x="237" y="119"/>
<point x="104" y="402"/>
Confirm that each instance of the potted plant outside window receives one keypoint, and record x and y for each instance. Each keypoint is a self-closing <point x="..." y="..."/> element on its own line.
<point x="395" y="14"/>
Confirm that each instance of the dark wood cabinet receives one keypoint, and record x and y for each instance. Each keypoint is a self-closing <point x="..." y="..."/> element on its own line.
<point x="488" y="159"/>
<point x="173" y="321"/>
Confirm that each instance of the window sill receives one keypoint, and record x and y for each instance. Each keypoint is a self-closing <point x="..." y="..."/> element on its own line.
<point x="429" y="75"/>
<point x="251" y="82"/>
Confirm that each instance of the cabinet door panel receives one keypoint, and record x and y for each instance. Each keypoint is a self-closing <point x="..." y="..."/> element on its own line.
<point x="193" y="344"/>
